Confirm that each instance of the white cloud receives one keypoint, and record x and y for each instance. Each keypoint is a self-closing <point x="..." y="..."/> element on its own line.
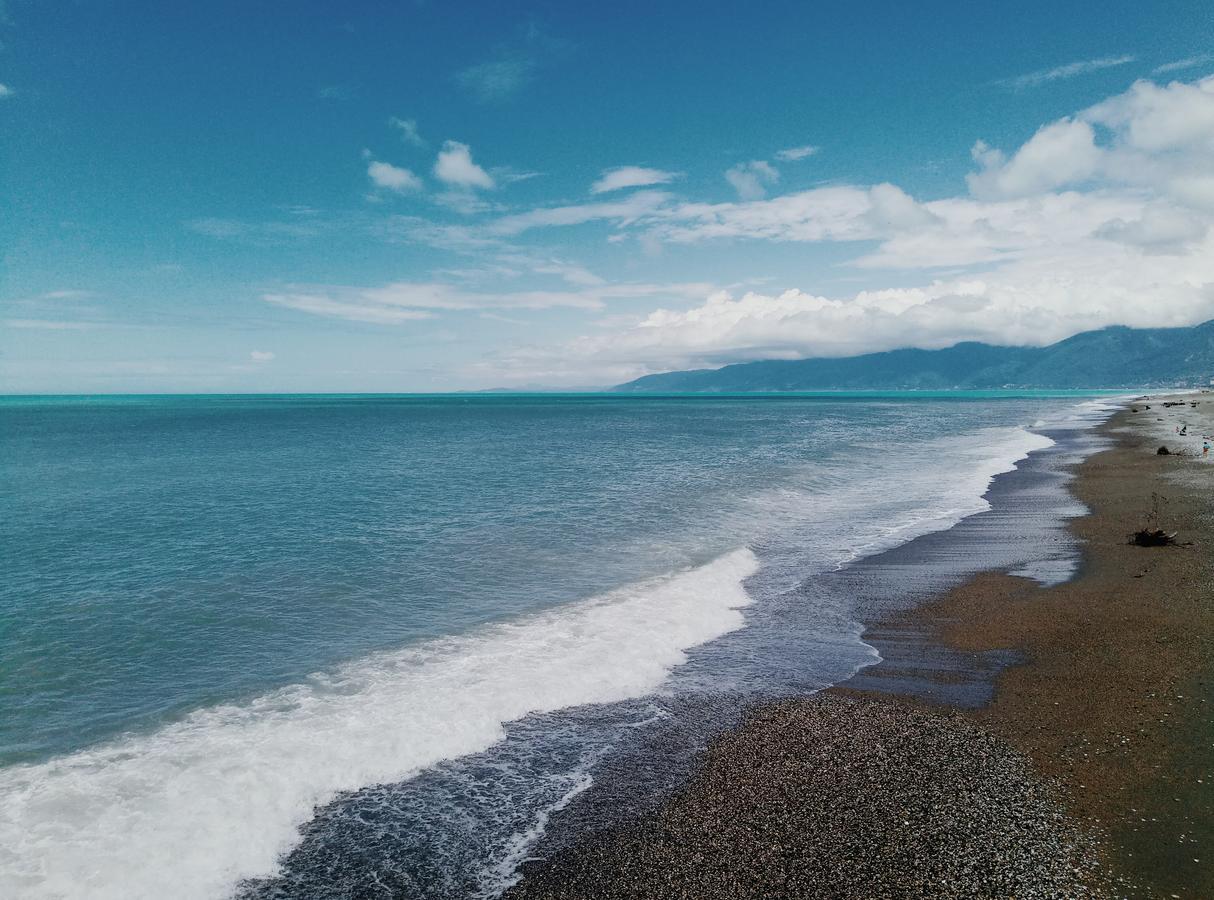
<point x="1033" y="302"/>
<point x="623" y="212"/>
<point x="1160" y="228"/>
<point x="1070" y="70"/>
<point x="1151" y="137"/>
<point x="751" y="179"/>
<point x="1181" y="64"/>
<point x="403" y="300"/>
<point x="466" y="202"/>
<point x="792" y="154"/>
<point x="408" y="131"/>
<point x="1061" y="153"/>
<point x="6" y="91"/>
<point x="455" y="167"/>
<point x="392" y="178"/>
<point x="630" y="177"/>
<point x="321" y="305"/>
<point x="1102" y="217"/>
<point x="259" y="356"/>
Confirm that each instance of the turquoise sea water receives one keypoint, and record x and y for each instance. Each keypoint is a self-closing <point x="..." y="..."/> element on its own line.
<point x="217" y="612"/>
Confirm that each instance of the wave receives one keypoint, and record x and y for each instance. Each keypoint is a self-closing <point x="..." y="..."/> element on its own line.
<point x="190" y="810"/>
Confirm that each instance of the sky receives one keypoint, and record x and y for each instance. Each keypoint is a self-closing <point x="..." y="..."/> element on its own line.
<point x="431" y="196"/>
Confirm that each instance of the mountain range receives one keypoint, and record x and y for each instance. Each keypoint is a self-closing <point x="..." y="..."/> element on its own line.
<point x="1115" y="357"/>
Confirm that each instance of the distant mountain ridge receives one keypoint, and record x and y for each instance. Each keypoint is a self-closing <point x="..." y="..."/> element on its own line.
<point x="1114" y="357"/>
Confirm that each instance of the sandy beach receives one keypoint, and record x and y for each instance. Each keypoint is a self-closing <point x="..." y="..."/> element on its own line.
<point x="1088" y="773"/>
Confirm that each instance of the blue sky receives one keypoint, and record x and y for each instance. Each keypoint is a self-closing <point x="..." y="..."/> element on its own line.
<point x="426" y="196"/>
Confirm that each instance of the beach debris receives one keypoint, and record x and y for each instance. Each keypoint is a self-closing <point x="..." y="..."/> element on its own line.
<point x="1150" y="534"/>
<point x="1163" y="451"/>
<point x="1153" y="537"/>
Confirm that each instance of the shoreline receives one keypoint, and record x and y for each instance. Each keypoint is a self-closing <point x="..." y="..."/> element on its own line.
<point x="1114" y="701"/>
<point x="1083" y="706"/>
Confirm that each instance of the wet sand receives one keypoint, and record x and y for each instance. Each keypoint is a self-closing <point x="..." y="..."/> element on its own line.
<point x="1088" y="774"/>
<point x="1116" y="701"/>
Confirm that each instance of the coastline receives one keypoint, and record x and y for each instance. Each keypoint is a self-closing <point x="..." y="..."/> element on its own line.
<point x="1097" y="738"/>
<point x="1116" y="698"/>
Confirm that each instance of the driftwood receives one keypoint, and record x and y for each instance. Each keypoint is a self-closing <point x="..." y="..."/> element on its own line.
<point x="1150" y="534"/>
<point x="1153" y="538"/>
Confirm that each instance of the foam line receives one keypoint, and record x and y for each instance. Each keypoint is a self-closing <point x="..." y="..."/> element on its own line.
<point x="187" y="811"/>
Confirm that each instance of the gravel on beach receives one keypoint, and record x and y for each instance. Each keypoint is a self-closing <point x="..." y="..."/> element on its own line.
<point x="840" y="796"/>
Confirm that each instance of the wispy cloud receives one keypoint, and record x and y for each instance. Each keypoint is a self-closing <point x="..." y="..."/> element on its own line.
<point x="630" y="177"/>
<point x="67" y="294"/>
<point x="498" y="79"/>
<point x="6" y="91"/>
<point x="333" y="92"/>
<point x="752" y="179"/>
<point x="792" y="154"/>
<point x="49" y="324"/>
<point x="512" y="66"/>
<point x="1181" y="64"/>
<point x="408" y="131"/>
<point x="255" y="233"/>
<point x="261" y="356"/>
<point x="1070" y="70"/>
<point x="622" y="212"/>
<point x="404" y="301"/>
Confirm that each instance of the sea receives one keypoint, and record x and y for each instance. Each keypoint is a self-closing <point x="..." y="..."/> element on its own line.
<point x="397" y="646"/>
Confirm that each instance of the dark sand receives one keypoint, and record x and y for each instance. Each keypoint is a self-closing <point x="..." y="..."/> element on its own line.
<point x="1088" y="775"/>
<point x="1116" y="701"/>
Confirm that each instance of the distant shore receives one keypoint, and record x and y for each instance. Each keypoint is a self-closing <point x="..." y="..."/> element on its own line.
<point x="1089" y="774"/>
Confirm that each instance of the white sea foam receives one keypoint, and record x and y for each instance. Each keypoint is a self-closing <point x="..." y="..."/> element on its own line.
<point x="946" y="480"/>
<point x="189" y="810"/>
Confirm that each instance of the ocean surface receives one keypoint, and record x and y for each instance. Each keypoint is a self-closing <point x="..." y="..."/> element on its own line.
<point x="319" y="646"/>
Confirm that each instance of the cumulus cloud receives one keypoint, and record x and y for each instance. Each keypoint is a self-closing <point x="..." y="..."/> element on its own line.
<point x="1061" y="153"/>
<point x="6" y="91"/>
<point x="630" y="177"/>
<point x="392" y="178"/>
<point x="752" y="179"/>
<point x="408" y="131"/>
<point x="1034" y="302"/>
<point x="1070" y="70"/>
<point x="1153" y="137"/>
<point x="1102" y="217"/>
<point x="793" y="154"/>
<point x="454" y="166"/>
